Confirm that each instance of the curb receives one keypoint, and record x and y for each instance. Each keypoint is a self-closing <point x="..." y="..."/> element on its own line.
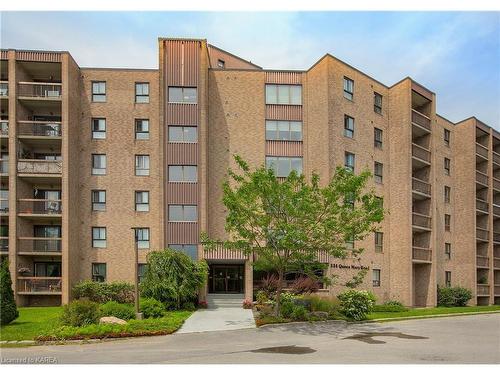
<point x="381" y="320"/>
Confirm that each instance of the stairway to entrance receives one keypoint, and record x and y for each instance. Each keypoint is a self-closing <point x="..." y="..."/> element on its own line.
<point x="216" y="300"/>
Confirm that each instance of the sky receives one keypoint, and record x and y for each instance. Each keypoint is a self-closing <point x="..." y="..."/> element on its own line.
<point x="454" y="54"/>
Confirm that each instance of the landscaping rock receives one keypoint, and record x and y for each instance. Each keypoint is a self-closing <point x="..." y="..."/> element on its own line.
<point x="111" y="320"/>
<point x="320" y="314"/>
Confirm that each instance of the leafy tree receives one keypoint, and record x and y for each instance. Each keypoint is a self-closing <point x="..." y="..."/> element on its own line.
<point x="173" y="277"/>
<point x="284" y="223"/>
<point x="7" y="301"/>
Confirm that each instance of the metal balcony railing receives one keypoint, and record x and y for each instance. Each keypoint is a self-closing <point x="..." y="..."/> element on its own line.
<point x="421" y="152"/>
<point x="421" y="220"/>
<point x="4" y="128"/>
<point x="496" y="236"/>
<point x="483" y="290"/>
<point x="4" y="88"/>
<point x="496" y="184"/>
<point x="4" y="244"/>
<point x="482" y="205"/>
<point x="39" y="128"/>
<point x="34" y="166"/>
<point x="4" y="166"/>
<point x="39" y="206"/>
<point x="420" y="119"/>
<point x="39" y="285"/>
<point x="481" y="150"/>
<point x="496" y="158"/>
<point x="482" y="178"/>
<point x="496" y="262"/>
<point x="44" y="90"/>
<point x="39" y="245"/>
<point x="482" y="261"/>
<point x="421" y="254"/>
<point x="496" y="210"/>
<point x="421" y="186"/>
<point x="4" y="206"/>
<point x="482" y="234"/>
<point x="496" y="290"/>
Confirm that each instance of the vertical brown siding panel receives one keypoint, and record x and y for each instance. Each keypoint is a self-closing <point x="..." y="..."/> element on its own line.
<point x="182" y="153"/>
<point x="182" y="193"/>
<point x="284" y="148"/>
<point x="284" y="78"/>
<point x="284" y="112"/>
<point x="182" y="233"/>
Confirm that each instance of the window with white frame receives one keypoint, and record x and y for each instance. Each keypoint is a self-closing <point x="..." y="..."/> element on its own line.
<point x="283" y="130"/>
<point x="283" y="165"/>
<point x="98" y="200"/>
<point x="348" y="127"/>
<point x="142" y="165"/>
<point x="376" y="277"/>
<point x="99" y="237"/>
<point x="182" y="134"/>
<point x="98" y="128"/>
<point x="348" y="88"/>
<point x="99" y="91"/>
<point x="182" y="213"/>
<point x="99" y="272"/>
<point x="142" y="92"/>
<point x="141" y="129"/>
<point x="188" y="249"/>
<point x="182" y="173"/>
<point x="284" y="94"/>
<point x="142" y="238"/>
<point x="183" y="95"/>
<point x="142" y="201"/>
<point x="98" y="164"/>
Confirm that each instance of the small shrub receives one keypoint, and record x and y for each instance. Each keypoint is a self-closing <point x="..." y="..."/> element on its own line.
<point x="304" y="284"/>
<point x="118" y="310"/>
<point x="261" y="297"/>
<point x="264" y="310"/>
<point x="393" y="303"/>
<point x="269" y="284"/>
<point x="7" y="301"/>
<point x="356" y="304"/>
<point x="287" y="296"/>
<point x="202" y="304"/>
<point x="120" y="292"/>
<point x="456" y="296"/>
<point x="247" y="304"/>
<point x="151" y="308"/>
<point x="286" y="309"/>
<point x="303" y="301"/>
<point x="299" y="313"/>
<point x="80" y="313"/>
<point x="189" y="306"/>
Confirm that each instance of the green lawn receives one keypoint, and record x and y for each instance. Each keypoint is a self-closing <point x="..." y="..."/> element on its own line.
<point x="31" y="322"/>
<point x="432" y="311"/>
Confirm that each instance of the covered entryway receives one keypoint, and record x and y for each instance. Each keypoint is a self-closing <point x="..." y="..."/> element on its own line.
<point x="226" y="278"/>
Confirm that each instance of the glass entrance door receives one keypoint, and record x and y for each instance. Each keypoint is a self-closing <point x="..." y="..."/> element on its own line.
<point x="226" y="278"/>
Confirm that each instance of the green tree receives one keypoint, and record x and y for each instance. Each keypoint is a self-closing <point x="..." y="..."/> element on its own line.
<point x="284" y="223"/>
<point x="7" y="302"/>
<point x="173" y="277"/>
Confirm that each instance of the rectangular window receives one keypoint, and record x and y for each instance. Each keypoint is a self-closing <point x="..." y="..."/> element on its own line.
<point x="142" y="165"/>
<point x="284" y="94"/>
<point x="377" y="137"/>
<point x="376" y="277"/>
<point x="142" y="238"/>
<point x="98" y="164"/>
<point x="142" y="201"/>
<point x="141" y="129"/>
<point x="183" y="134"/>
<point x="349" y="161"/>
<point x="98" y="200"/>
<point x="348" y="127"/>
<point x="447" y="222"/>
<point x="447" y="194"/>
<point x="188" y="213"/>
<point x="142" y="92"/>
<point x="142" y="268"/>
<point x="190" y="250"/>
<point x="98" y="128"/>
<point x="283" y="130"/>
<point x="349" y="243"/>
<point x="377" y="103"/>
<point x="380" y="201"/>
<point x="447" y="279"/>
<point x="99" y="237"/>
<point x="99" y="91"/>
<point x="282" y="166"/>
<point x="182" y="173"/>
<point x="183" y="95"/>
<point x="379" y="242"/>
<point x="447" y="250"/>
<point x="348" y="88"/>
<point x="447" y="166"/>
<point x="378" y="169"/>
<point x="99" y="272"/>
<point x="446" y="137"/>
<point x="221" y="64"/>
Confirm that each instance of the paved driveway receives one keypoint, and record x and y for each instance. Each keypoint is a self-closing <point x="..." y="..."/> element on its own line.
<point x="218" y="319"/>
<point x="465" y="339"/>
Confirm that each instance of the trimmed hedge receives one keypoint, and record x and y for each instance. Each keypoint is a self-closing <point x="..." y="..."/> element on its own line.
<point x="151" y="308"/>
<point x="456" y="296"/>
<point x="120" y="292"/>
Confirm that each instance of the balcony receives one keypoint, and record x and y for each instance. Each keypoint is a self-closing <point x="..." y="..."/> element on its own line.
<point x="496" y="263"/>
<point x="4" y="206"/>
<point x="39" y="90"/>
<point x="420" y="119"/>
<point x="39" y="285"/>
<point x="39" y="207"/>
<point x="421" y="254"/>
<point x="421" y="221"/>
<point x="496" y="158"/>
<point x="39" y="129"/>
<point x="481" y="205"/>
<point x="421" y="187"/>
<point x="222" y="253"/>
<point x="496" y="290"/>
<point x="482" y="261"/>
<point x="4" y="128"/>
<point x="481" y="151"/>
<point x="482" y="234"/>
<point x="4" y="167"/>
<point x="483" y="290"/>
<point x="496" y="237"/>
<point x="482" y="178"/>
<point x="4" y="244"/>
<point x="4" y="89"/>
<point x="496" y="184"/>
<point x="421" y="153"/>
<point x="39" y="246"/>
<point x="496" y="210"/>
<point x="39" y="167"/>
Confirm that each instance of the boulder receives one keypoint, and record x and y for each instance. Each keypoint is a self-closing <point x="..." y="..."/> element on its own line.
<point x="111" y="320"/>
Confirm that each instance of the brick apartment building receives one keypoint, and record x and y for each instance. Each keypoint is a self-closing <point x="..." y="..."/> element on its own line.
<point x="87" y="154"/>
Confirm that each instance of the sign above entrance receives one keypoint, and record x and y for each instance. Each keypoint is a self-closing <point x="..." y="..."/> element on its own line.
<point x="349" y="266"/>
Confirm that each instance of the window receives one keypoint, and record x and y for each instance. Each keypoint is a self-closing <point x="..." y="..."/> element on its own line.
<point x="98" y="128"/>
<point x="99" y="91"/>
<point x="379" y="242"/>
<point x="221" y="64"/>
<point x="377" y="137"/>
<point x="142" y="201"/>
<point x="348" y="127"/>
<point x="377" y="103"/>
<point x="349" y="161"/>
<point x="447" y="250"/>
<point x="183" y="134"/>
<point x="284" y="94"/>
<point x="446" y="137"/>
<point x="349" y="242"/>
<point x="447" y="166"/>
<point x="183" y="95"/>
<point x="99" y="272"/>
<point x="447" y="222"/>
<point x="378" y="171"/>
<point x="142" y="268"/>
<point x="447" y="279"/>
<point x="98" y="200"/>
<point x="191" y="250"/>
<point x="380" y="201"/>
<point x="447" y="194"/>
<point x="283" y="131"/>
<point x="142" y="92"/>
<point x="348" y="88"/>
<point x="182" y="173"/>
<point x="142" y="238"/>
<point x="99" y="237"/>
<point x="141" y="129"/>
<point x="142" y="165"/>
<point x="376" y="277"/>
<point x="282" y="166"/>
<point x="98" y="164"/>
<point x="182" y="213"/>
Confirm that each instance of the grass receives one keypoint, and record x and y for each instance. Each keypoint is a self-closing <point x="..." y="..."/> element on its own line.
<point x="432" y="311"/>
<point x="31" y="322"/>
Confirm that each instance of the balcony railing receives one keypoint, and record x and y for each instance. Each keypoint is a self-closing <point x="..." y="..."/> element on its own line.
<point x="422" y="254"/>
<point x="220" y="252"/>
<point x="4" y="206"/>
<point x="481" y="205"/>
<point x="39" y="285"/>
<point x="483" y="290"/>
<point x="421" y="220"/>
<point x="496" y="158"/>
<point x="4" y="244"/>
<point x="4" y="166"/>
<point x="482" y="261"/>
<point x="4" y="88"/>
<point x="420" y="119"/>
<point x="482" y="234"/>
<point x="481" y="150"/>
<point x="39" y="206"/>
<point x="34" y="166"/>
<point x="496" y="290"/>
<point x="496" y="210"/>
<point x="482" y="178"/>
<point x="496" y="184"/>
<point x="496" y="262"/>
<point x="421" y="153"/>
<point x="496" y="237"/>
<point x="39" y="128"/>
<point x="39" y="245"/>
<point x="421" y="186"/>
<point x="40" y="90"/>
<point x="4" y="128"/>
